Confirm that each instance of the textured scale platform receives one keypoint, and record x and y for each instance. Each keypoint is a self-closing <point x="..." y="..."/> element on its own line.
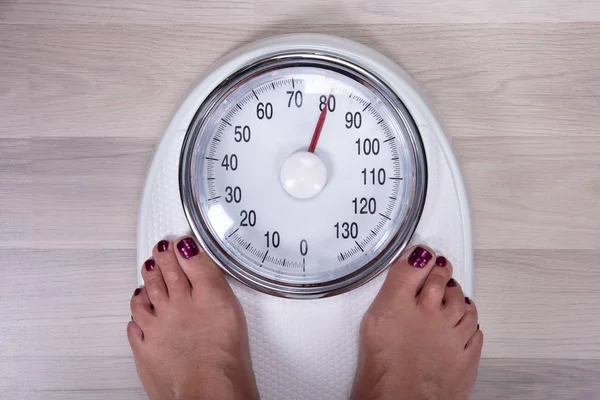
<point x="307" y="349"/>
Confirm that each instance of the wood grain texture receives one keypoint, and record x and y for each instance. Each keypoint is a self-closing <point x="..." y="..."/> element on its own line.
<point x="87" y="88"/>
<point x="519" y="379"/>
<point x="539" y="304"/>
<point x="533" y="192"/>
<point x="369" y="12"/>
<point x="484" y="80"/>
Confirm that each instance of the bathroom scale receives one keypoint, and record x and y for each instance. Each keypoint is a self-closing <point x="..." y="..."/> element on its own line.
<point x="304" y="165"/>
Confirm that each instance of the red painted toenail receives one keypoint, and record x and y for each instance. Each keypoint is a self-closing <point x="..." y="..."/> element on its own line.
<point x="441" y="261"/>
<point x="188" y="248"/>
<point x="149" y="264"/>
<point x="419" y="257"/>
<point x="467" y="300"/>
<point x="451" y="283"/>
<point x="163" y="245"/>
<point x="137" y="291"/>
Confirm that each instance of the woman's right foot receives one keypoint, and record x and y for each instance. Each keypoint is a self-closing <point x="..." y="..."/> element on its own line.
<point x="419" y="339"/>
<point x="188" y="331"/>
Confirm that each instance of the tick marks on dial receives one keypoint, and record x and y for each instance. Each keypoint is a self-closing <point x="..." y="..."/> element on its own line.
<point x="233" y="233"/>
<point x="255" y="95"/>
<point x="214" y="198"/>
<point x="212" y="159"/>
<point x="385" y="216"/>
<point x="367" y="106"/>
<point x="226" y="122"/>
<point x="361" y="249"/>
<point x="238" y="106"/>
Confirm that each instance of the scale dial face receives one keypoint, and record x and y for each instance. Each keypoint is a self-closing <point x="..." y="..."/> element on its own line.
<point x="303" y="176"/>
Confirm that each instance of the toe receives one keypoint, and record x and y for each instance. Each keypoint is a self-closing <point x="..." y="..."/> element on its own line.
<point x="154" y="283"/>
<point x="135" y="335"/>
<point x="407" y="275"/>
<point x="141" y="307"/>
<point x="175" y="279"/>
<point x="434" y="289"/>
<point x="475" y="344"/>
<point x="454" y="303"/>
<point x="197" y="266"/>
<point x="468" y="325"/>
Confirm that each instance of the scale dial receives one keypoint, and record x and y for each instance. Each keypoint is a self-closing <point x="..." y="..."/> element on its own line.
<point x="303" y="175"/>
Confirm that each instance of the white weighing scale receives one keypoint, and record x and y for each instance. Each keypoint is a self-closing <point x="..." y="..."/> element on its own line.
<point x="304" y="165"/>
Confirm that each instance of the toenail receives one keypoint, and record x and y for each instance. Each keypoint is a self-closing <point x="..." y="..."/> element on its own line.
<point x="149" y="264"/>
<point x="451" y="283"/>
<point x="441" y="261"/>
<point x="188" y="248"/>
<point x="467" y="300"/>
<point x="137" y="291"/>
<point x="163" y="245"/>
<point x="419" y="257"/>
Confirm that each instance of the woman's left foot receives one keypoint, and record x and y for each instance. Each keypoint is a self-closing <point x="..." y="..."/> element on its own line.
<point x="188" y="333"/>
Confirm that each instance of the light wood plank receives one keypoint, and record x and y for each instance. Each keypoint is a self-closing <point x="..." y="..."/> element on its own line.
<point x="518" y="379"/>
<point x="110" y="80"/>
<point x="93" y="186"/>
<point x="539" y="304"/>
<point x="371" y="12"/>
<point x="100" y="394"/>
<point x="136" y="11"/>
<point x="533" y="192"/>
<point x="15" y="189"/>
<point x="356" y="12"/>
<point x="75" y="193"/>
<point x="66" y="303"/>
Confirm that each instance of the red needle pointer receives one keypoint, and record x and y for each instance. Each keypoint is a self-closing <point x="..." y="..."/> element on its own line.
<point x="320" y="122"/>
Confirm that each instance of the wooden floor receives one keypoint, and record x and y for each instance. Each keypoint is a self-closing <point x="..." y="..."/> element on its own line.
<point x="87" y="87"/>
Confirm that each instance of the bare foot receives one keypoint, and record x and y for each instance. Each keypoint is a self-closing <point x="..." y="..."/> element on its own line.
<point x="419" y="339"/>
<point x="188" y="332"/>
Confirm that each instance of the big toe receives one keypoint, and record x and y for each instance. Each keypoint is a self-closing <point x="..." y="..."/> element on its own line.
<point x="408" y="274"/>
<point x="175" y="279"/>
<point x="201" y="271"/>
